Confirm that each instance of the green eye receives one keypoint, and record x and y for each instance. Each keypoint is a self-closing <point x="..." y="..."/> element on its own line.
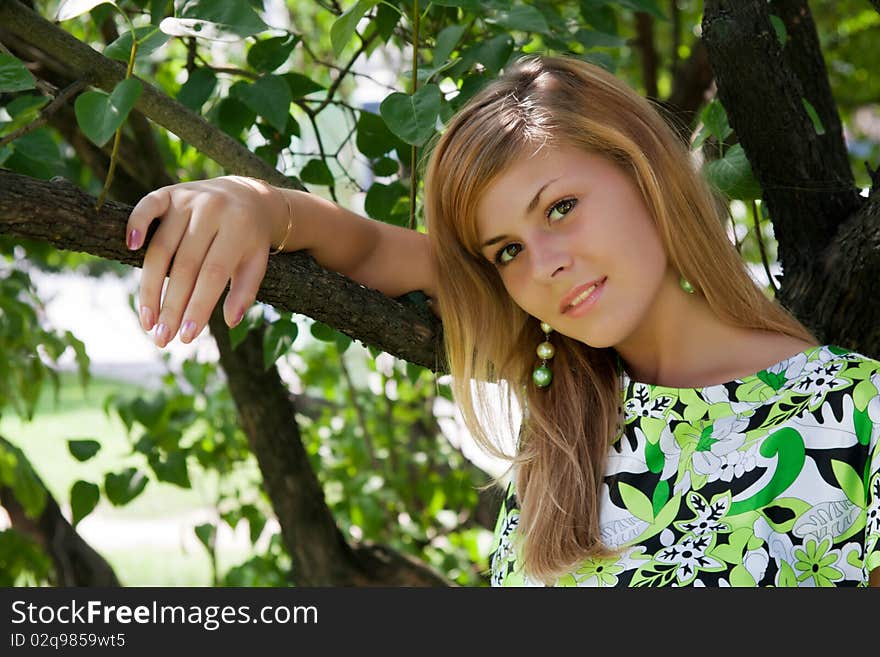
<point x="565" y="206"/>
<point x="505" y="251"/>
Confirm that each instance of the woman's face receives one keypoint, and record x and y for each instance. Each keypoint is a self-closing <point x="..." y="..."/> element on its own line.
<point x="558" y="221"/>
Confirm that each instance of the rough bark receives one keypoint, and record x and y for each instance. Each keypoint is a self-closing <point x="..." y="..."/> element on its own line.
<point x="75" y="562"/>
<point x="321" y="556"/>
<point x="60" y="213"/>
<point x="805" y="177"/>
<point x="85" y="63"/>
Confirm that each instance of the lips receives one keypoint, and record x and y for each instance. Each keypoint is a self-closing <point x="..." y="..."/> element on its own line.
<point x="576" y="291"/>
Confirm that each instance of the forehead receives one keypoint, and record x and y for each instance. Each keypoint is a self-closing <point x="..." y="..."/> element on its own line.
<point x="508" y="195"/>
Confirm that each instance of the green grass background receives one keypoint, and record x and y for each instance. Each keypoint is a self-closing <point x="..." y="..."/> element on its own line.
<point x="78" y="413"/>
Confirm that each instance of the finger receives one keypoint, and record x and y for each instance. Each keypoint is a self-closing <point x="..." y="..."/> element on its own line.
<point x="155" y="204"/>
<point x="244" y="287"/>
<point x="157" y="259"/>
<point x="211" y="282"/>
<point x="190" y="263"/>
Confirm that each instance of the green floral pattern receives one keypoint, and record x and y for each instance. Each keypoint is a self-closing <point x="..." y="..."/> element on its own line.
<point x="768" y="480"/>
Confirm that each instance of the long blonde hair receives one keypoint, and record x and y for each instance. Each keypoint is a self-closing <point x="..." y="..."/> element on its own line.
<point x="566" y="429"/>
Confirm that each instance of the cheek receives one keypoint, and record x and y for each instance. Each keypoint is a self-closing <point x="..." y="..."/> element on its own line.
<point x="517" y="285"/>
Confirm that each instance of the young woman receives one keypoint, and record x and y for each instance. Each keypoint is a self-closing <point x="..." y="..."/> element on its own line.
<point x="677" y="426"/>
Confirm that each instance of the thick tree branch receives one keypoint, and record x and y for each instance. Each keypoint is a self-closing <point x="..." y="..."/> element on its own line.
<point x="321" y="556"/>
<point x="105" y="73"/>
<point x="806" y="179"/>
<point x="60" y="213"/>
<point x="76" y="562"/>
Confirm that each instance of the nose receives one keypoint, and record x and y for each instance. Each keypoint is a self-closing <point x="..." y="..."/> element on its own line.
<point x="550" y="255"/>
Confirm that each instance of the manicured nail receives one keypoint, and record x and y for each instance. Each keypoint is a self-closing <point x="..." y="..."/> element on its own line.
<point x="134" y="240"/>
<point x="146" y="318"/>
<point x="162" y="334"/>
<point x="188" y="331"/>
<point x="238" y="318"/>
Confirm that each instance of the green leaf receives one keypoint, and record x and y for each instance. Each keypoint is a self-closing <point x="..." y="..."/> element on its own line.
<point x="446" y="42"/>
<point x="207" y="535"/>
<point x="150" y="38"/>
<point x="172" y="469"/>
<point x="301" y="85"/>
<point x="381" y="199"/>
<point x="277" y="341"/>
<point x="84" y="497"/>
<point x="83" y="450"/>
<point x="599" y="15"/>
<point x="636" y="502"/>
<point x="520" y="17"/>
<point x="594" y="39"/>
<point x="123" y="487"/>
<point x="268" y="54"/>
<point x="385" y="166"/>
<point x="233" y="116"/>
<point x="322" y="332"/>
<point x="850" y="482"/>
<point x="814" y="117"/>
<point x="413" y="118"/>
<point x="38" y="145"/>
<point x="74" y="8"/>
<point x="732" y="175"/>
<point x="344" y="27"/>
<point x="197" y="89"/>
<point x="216" y="20"/>
<point x="14" y="75"/>
<point x="714" y="117"/>
<point x="494" y="53"/>
<point x="373" y="136"/>
<point x="387" y="17"/>
<point x="269" y="96"/>
<point x="100" y="114"/>
<point x="316" y="172"/>
<point x="779" y="28"/>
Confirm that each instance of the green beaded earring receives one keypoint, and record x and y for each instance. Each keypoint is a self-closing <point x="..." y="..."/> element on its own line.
<point x="685" y="285"/>
<point x="542" y="376"/>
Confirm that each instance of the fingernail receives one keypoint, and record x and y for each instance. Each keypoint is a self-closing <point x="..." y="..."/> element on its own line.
<point x="134" y="240"/>
<point x="238" y="318"/>
<point x="161" y="334"/>
<point x="188" y="330"/>
<point x="146" y="318"/>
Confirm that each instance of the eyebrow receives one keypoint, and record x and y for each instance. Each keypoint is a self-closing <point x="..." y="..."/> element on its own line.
<point x="529" y="209"/>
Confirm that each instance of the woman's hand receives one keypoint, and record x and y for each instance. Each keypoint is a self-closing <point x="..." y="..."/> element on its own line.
<point x="214" y="230"/>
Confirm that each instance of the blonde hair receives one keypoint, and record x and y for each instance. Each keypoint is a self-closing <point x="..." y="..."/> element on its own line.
<point x="566" y="429"/>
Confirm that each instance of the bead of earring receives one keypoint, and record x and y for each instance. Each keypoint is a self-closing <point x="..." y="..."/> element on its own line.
<point x="542" y="376"/>
<point x="685" y="285"/>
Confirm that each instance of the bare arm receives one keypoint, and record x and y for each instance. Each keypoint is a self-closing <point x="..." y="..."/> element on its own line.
<point x="221" y="230"/>
<point x="389" y="258"/>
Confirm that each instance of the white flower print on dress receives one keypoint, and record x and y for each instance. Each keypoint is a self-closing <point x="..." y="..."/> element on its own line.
<point x="874" y="404"/>
<point x="709" y="515"/>
<point x="820" y="376"/>
<point x="719" y="395"/>
<point x="641" y="404"/>
<point x="716" y="454"/>
<point x="690" y="557"/>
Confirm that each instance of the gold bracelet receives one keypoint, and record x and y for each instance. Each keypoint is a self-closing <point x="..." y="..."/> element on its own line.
<point x="289" y="225"/>
<point x="289" y="214"/>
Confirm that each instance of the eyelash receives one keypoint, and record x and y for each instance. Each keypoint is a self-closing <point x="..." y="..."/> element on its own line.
<point x="500" y="251"/>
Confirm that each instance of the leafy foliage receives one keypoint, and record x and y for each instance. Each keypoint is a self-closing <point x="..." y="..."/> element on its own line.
<point x="288" y="92"/>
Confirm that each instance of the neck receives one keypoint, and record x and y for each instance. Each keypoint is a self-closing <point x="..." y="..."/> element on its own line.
<point x="681" y="343"/>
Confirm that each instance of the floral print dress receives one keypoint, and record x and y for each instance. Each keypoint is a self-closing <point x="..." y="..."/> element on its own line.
<point x="768" y="480"/>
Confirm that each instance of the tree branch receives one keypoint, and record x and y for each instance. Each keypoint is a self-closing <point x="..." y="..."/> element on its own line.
<point x="76" y="562"/>
<point x="60" y="213"/>
<point x="806" y="179"/>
